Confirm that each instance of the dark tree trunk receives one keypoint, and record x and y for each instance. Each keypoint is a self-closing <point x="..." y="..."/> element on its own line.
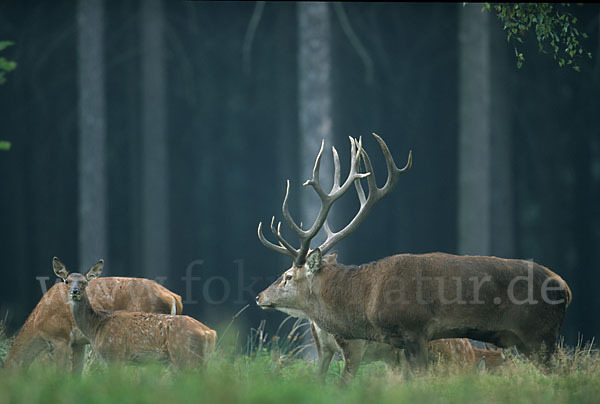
<point x="154" y="192"/>
<point x="502" y="226"/>
<point x="314" y="100"/>
<point x="92" y="133"/>
<point x="474" y="196"/>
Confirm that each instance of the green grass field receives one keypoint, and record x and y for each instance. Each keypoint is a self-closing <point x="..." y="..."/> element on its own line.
<point x="272" y="372"/>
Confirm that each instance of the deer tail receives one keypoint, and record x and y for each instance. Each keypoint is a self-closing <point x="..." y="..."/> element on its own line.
<point x="176" y="304"/>
<point x="569" y="294"/>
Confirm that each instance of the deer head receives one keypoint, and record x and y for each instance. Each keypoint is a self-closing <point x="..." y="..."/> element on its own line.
<point x="288" y="293"/>
<point x="76" y="283"/>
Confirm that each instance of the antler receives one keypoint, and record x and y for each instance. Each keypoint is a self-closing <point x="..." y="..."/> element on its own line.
<point x="327" y="200"/>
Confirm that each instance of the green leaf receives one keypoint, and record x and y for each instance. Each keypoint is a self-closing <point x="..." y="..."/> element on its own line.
<point x="7" y="65"/>
<point x="4" y="145"/>
<point x="5" y="44"/>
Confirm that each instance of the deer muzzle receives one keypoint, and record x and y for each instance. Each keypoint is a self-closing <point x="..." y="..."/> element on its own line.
<point x="75" y="294"/>
<point x="260" y="301"/>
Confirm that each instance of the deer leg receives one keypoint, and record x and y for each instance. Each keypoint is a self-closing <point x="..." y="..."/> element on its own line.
<point x="352" y="351"/>
<point x="78" y="358"/>
<point x="61" y="354"/>
<point x="541" y="349"/>
<point x="324" y="352"/>
<point x="23" y="352"/>
<point x="416" y="353"/>
<point x="351" y="364"/>
<point x="325" y="357"/>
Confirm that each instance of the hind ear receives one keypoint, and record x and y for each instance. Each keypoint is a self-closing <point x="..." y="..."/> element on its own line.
<point x="59" y="269"/>
<point x="95" y="270"/>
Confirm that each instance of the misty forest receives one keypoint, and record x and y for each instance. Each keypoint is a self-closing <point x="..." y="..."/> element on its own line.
<point x="156" y="135"/>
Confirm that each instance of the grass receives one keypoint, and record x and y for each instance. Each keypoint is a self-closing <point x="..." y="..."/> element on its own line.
<point x="270" y="370"/>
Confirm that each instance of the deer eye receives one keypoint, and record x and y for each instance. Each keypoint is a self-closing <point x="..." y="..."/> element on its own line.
<point x="288" y="277"/>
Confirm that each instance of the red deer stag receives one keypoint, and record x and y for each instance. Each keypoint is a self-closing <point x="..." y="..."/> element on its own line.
<point x="51" y="322"/>
<point x="408" y="300"/>
<point x="128" y="336"/>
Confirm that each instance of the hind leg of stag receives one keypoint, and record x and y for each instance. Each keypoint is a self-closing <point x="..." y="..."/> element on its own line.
<point x="540" y="349"/>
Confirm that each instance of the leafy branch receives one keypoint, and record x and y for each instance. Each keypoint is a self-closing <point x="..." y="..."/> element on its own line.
<point x="6" y="65"/>
<point x="554" y="26"/>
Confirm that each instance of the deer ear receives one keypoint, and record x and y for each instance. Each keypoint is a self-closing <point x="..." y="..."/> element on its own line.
<point x="95" y="270"/>
<point x="331" y="258"/>
<point x="313" y="261"/>
<point x="59" y="269"/>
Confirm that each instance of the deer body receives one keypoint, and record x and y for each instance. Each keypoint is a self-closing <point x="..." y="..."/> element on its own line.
<point x="135" y="337"/>
<point x="407" y="297"/>
<point x="408" y="300"/>
<point x="51" y="321"/>
<point x="125" y="336"/>
<point x="399" y="301"/>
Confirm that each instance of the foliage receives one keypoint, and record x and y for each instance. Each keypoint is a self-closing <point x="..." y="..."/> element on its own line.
<point x="260" y="376"/>
<point x="6" y="65"/>
<point x="554" y="26"/>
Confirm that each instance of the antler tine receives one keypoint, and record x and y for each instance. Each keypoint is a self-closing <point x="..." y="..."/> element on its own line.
<point x="375" y="193"/>
<point x="282" y="241"/>
<point x="393" y="171"/>
<point x="336" y="165"/>
<point x="327" y="228"/>
<point x="360" y="191"/>
<point x="271" y="246"/>
<point x="286" y="211"/>
<point x="371" y="181"/>
<point x="316" y="181"/>
<point x="327" y="200"/>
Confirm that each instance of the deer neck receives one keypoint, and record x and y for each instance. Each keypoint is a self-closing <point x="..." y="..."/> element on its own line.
<point x="86" y="317"/>
<point x="339" y="295"/>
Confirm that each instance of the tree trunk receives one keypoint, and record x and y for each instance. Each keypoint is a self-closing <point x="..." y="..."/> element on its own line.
<point x="314" y="103"/>
<point x="474" y="176"/>
<point x="92" y="133"/>
<point x="502" y="202"/>
<point x="154" y="190"/>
